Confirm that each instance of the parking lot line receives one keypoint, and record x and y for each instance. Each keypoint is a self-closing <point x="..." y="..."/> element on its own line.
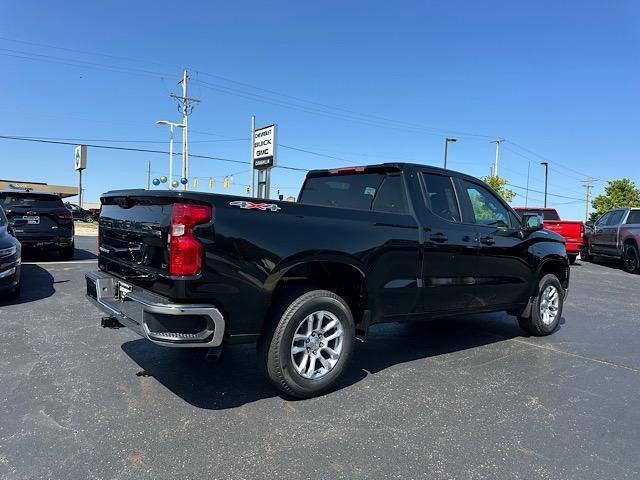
<point x="93" y="260"/>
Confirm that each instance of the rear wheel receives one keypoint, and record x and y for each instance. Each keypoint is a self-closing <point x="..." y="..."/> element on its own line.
<point x="309" y="343"/>
<point x="546" y="309"/>
<point x="572" y="259"/>
<point x="67" y="252"/>
<point x="88" y="219"/>
<point x="631" y="259"/>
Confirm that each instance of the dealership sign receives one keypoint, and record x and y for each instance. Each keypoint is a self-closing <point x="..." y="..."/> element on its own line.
<point x="264" y="147"/>
<point x="80" y="157"/>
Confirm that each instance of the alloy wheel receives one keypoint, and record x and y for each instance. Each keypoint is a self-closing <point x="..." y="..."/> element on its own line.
<point x="549" y="304"/>
<point x="317" y="344"/>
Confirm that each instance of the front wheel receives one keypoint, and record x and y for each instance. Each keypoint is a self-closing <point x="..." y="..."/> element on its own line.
<point x="88" y="219"/>
<point x="631" y="259"/>
<point x="309" y="343"/>
<point x="546" y="309"/>
<point x="572" y="259"/>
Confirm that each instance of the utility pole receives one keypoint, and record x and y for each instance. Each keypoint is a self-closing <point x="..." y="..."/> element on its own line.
<point x="446" y="145"/>
<point x="546" y="177"/>
<point x="149" y="175"/>
<point x="526" y="195"/>
<point x="253" y="134"/>
<point x="588" y="187"/>
<point x="498" y="141"/>
<point x="186" y="109"/>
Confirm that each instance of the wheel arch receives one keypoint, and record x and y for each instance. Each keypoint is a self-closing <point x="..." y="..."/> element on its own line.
<point x="341" y="274"/>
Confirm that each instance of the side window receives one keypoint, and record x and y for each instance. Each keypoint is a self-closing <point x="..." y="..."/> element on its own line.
<point x="487" y="209"/>
<point x="615" y="218"/>
<point x="390" y="196"/>
<point x="602" y="221"/>
<point x="442" y="196"/>
<point x="634" y="217"/>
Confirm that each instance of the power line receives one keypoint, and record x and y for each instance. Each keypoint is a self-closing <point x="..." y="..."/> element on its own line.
<point x="142" y="150"/>
<point x="539" y="191"/>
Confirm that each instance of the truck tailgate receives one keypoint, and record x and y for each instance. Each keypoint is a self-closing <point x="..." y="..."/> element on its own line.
<point x="572" y="231"/>
<point x="146" y="237"/>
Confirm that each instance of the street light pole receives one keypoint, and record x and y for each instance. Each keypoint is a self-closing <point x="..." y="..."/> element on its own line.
<point x="546" y="177"/>
<point x="171" y="126"/>
<point x="446" y="145"/>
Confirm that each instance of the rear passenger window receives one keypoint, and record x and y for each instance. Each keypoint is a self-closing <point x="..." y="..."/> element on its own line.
<point x="442" y="196"/>
<point x="634" y="217"/>
<point x="390" y="196"/>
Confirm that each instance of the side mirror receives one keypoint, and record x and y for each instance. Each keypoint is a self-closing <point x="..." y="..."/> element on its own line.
<point x="532" y="222"/>
<point x="589" y="224"/>
<point x="11" y="231"/>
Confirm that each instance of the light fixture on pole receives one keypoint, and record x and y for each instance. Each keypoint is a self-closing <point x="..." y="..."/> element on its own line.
<point x="446" y="145"/>
<point x="171" y="127"/>
<point x="546" y="176"/>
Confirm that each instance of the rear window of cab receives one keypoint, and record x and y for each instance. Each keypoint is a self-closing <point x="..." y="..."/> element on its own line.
<point x="34" y="200"/>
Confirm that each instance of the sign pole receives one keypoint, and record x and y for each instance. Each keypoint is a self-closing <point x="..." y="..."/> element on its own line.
<point x="253" y="134"/>
<point x="80" y="188"/>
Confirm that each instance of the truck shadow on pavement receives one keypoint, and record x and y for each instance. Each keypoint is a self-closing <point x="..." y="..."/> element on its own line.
<point x="37" y="283"/>
<point x="236" y="380"/>
<point x="38" y="255"/>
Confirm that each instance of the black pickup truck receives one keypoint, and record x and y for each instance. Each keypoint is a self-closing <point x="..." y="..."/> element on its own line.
<point x="363" y="245"/>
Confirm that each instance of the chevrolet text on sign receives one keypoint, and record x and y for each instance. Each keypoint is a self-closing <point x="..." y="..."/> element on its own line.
<point x="264" y="147"/>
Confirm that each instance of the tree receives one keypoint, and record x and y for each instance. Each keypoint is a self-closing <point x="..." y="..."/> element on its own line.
<point x="499" y="185"/>
<point x="618" y="193"/>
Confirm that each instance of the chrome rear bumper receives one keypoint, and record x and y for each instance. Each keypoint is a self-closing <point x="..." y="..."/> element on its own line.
<point x="153" y="317"/>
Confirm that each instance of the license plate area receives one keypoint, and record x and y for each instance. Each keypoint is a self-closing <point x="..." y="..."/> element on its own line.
<point x="122" y="289"/>
<point x="30" y="220"/>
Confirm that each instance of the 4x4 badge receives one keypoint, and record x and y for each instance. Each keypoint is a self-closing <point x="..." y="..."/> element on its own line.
<point x="258" y="206"/>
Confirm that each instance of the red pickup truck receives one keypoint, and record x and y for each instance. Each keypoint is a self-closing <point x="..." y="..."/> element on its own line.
<point x="572" y="231"/>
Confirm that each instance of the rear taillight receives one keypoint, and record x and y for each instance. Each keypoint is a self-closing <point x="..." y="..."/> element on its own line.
<point x="185" y="252"/>
<point x="581" y="230"/>
<point x="65" y="215"/>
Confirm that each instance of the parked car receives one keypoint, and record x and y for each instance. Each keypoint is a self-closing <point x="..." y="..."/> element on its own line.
<point x="363" y="245"/>
<point x="10" y="259"/>
<point x="572" y="231"/>
<point x="39" y="220"/>
<point x="81" y="214"/>
<point x="616" y="234"/>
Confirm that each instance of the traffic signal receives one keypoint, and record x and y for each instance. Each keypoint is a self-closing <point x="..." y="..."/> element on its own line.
<point x="210" y="183"/>
<point x="248" y="189"/>
<point x="225" y="184"/>
<point x="195" y="183"/>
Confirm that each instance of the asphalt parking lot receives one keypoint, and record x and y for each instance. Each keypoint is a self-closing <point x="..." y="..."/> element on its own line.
<point x="464" y="398"/>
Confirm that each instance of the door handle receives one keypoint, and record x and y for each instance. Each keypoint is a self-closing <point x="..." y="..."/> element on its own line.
<point x="438" y="237"/>
<point x="487" y="240"/>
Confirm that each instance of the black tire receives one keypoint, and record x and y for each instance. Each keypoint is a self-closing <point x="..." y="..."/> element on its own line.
<point x="535" y="325"/>
<point x="14" y="292"/>
<point x="88" y="219"/>
<point x="67" y="252"/>
<point x="631" y="259"/>
<point x="275" y="344"/>
<point x="572" y="259"/>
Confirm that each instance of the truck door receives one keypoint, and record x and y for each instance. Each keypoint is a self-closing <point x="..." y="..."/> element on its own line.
<point x="503" y="275"/>
<point x="608" y="237"/>
<point x="597" y="238"/>
<point x="449" y="249"/>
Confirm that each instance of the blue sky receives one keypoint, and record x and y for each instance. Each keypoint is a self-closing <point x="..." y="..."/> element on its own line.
<point x="557" y="78"/>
